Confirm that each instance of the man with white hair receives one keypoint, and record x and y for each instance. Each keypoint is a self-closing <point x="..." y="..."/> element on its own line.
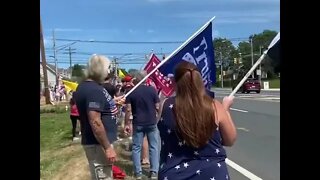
<point x="97" y="111"/>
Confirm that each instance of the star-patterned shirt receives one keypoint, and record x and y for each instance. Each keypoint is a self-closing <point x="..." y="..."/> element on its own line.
<point x="180" y="162"/>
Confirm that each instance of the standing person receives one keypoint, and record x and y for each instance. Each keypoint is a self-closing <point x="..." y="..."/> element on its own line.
<point x="62" y="91"/>
<point x="109" y="86"/>
<point x="57" y="93"/>
<point x="97" y="117"/>
<point x="143" y="103"/>
<point x="194" y="128"/>
<point x="112" y="90"/>
<point x="74" y="116"/>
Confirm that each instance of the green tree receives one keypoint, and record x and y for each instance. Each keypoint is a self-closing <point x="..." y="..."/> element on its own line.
<point x="260" y="42"/>
<point x="133" y="72"/>
<point x="78" y="73"/>
<point x="225" y="51"/>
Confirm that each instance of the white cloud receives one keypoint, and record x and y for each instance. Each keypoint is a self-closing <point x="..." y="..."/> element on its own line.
<point x="67" y="29"/>
<point x="150" y="31"/>
<point x="215" y="33"/>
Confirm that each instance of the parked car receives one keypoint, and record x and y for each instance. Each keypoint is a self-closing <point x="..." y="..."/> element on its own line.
<point x="248" y="86"/>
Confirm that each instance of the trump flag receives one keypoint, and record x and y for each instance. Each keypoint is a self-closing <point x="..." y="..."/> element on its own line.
<point x="198" y="51"/>
<point x="162" y="82"/>
<point x="274" y="49"/>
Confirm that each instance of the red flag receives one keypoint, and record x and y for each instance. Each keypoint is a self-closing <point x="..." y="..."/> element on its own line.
<point x="162" y="82"/>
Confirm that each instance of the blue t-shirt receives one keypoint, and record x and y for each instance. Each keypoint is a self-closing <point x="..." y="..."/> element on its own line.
<point x="143" y="100"/>
<point x="90" y="96"/>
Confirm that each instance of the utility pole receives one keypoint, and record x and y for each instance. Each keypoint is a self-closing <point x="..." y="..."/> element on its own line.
<point x="115" y="67"/>
<point x="71" y="51"/>
<point x="251" y="54"/>
<point x="55" y="58"/>
<point x="44" y="67"/>
<point x="221" y="66"/>
<point x="260" y="66"/>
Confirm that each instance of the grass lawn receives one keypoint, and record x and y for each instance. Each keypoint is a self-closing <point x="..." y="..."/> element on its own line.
<point x="56" y="147"/>
<point x="273" y="83"/>
<point x="60" y="158"/>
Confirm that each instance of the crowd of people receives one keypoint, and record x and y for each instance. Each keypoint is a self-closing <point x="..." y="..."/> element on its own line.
<point x="58" y="92"/>
<point x="181" y="136"/>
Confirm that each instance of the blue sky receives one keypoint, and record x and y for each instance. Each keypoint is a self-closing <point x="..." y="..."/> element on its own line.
<point x="147" y="20"/>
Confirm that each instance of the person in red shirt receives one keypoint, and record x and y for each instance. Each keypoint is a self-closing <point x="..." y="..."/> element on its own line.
<point x="74" y="116"/>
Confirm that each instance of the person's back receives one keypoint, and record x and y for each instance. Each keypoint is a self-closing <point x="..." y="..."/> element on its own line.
<point x="143" y="102"/>
<point x="97" y="118"/>
<point x="86" y="91"/>
<point x="190" y="163"/>
<point x="194" y="128"/>
<point x="110" y="88"/>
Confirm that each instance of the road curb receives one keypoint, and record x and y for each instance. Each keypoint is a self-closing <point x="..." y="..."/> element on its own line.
<point x="229" y="89"/>
<point x="275" y="89"/>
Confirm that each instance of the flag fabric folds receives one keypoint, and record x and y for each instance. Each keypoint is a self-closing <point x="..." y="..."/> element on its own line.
<point x="198" y="51"/>
<point x="162" y="82"/>
<point x="274" y="49"/>
<point x="121" y="74"/>
<point x="70" y="85"/>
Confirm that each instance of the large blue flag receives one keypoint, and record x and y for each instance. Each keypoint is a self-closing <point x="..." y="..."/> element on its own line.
<point x="198" y="51"/>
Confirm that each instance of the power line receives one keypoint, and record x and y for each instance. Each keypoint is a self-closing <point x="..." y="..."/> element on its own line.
<point x="123" y="42"/>
<point x="86" y="63"/>
<point x="138" y="42"/>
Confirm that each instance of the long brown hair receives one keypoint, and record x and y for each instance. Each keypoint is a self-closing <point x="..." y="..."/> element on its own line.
<point x="195" y="116"/>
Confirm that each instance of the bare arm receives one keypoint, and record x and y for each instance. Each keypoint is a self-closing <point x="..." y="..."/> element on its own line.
<point x="226" y="125"/>
<point x="98" y="129"/>
<point x="160" y="109"/>
<point x="127" y="114"/>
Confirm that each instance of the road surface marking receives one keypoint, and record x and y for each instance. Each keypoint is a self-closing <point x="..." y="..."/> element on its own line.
<point x="242" y="170"/>
<point x="244" y="129"/>
<point x="240" y="110"/>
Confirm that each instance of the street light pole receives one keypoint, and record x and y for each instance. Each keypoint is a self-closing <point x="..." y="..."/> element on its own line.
<point x="251" y="54"/>
<point x="115" y="68"/>
<point x="116" y="63"/>
<point x="55" y="58"/>
<point x="260" y="66"/>
<point x="70" y="53"/>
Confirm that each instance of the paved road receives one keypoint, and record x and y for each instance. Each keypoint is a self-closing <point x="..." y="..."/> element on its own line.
<point x="257" y="148"/>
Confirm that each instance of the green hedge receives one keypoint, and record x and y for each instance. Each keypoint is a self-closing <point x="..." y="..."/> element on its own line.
<point x="226" y="84"/>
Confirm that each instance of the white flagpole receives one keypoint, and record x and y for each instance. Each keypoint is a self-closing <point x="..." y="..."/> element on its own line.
<point x="172" y="54"/>
<point x="274" y="41"/>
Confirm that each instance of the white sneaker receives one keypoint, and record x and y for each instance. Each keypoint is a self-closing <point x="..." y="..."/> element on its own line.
<point x="75" y="139"/>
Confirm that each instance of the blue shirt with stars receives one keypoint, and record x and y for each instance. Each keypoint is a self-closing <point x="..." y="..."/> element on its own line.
<point x="181" y="162"/>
